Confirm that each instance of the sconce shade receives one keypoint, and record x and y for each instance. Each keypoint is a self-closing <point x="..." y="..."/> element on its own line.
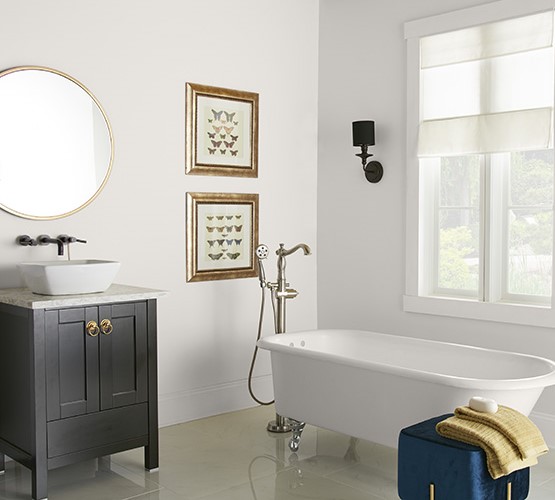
<point x="363" y="133"/>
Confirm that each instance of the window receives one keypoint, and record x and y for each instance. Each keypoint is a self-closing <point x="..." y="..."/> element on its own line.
<point x="482" y="149"/>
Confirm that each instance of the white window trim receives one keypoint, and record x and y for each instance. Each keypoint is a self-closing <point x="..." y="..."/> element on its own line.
<point x="413" y="301"/>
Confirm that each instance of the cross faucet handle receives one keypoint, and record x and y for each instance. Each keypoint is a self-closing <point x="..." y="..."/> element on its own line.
<point x="26" y="241"/>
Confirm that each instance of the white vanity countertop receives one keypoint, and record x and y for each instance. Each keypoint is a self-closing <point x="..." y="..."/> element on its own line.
<point x="23" y="297"/>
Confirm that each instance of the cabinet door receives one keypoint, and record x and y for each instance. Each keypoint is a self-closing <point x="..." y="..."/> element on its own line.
<point x="71" y="363"/>
<point x="123" y="355"/>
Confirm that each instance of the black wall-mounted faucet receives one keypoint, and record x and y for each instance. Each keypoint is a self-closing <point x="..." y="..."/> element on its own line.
<point x="44" y="239"/>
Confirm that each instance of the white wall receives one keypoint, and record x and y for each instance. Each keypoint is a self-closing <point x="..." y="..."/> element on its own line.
<point x="136" y="56"/>
<point x="361" y="226"/>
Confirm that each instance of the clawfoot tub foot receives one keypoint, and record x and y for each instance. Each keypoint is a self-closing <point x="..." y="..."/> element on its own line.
<point x="295" y="440"/>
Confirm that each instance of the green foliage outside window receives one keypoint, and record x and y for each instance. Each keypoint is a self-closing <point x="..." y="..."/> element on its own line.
<point x="529" y="223"/>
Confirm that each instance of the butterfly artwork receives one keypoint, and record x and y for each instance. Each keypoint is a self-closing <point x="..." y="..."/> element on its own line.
<point x="229" y="217"/>
<point x="229" y="229"/>
<point x="215" y="256"/>
<point x="210" y="229"/>
<point x="229" y="116"/>
<point x="238" y="242"/>
<point x="234" y="137"/>
<point x="229" y="242"/>
<point x="220" y="242"/>
<point x="229" y="144"/>
<point x="211" y="135"/>
<point x="225" y="235"/>
<point x="217" y="115"/>
<point x="233" y="152"/>
<point x="216" y="144"/>
<point x="234" y="255"/>
<point x="235" y="123"/>
<point x="217" y="129"/>
<point x="219" y="217"/>
<point x="211" y="243"/>
<point x="211" y="151"/>
<point x="210" y="120"/>
<point x="220" y="229"/>
<point x="228" y="129"/>
<point x="238" y="216"/>
<point x="238" y="228"/>
<point x="223" y="151"/>
<point x="210" y="217"/>
<point x="223" y="136"/>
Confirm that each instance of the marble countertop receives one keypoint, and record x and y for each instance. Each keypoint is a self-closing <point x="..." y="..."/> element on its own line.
<point x="23" y="297"/>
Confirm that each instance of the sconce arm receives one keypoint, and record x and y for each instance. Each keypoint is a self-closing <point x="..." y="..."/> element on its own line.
<point x="364" y="155"/>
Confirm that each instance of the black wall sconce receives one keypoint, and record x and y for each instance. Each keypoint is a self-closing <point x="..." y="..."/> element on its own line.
<point x="363" y="136"/>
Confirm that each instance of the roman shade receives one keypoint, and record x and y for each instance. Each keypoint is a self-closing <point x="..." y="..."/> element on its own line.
<point x="488" y="88"/>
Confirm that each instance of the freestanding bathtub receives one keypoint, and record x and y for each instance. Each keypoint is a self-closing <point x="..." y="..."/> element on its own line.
<point x="371" y="385"/>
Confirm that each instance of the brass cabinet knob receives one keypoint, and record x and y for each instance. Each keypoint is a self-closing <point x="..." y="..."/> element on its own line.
<point x="92" y="328"/>
<point x="106" y="326"/>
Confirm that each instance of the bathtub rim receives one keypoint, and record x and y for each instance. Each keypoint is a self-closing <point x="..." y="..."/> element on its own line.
<point x="274" y="343"/>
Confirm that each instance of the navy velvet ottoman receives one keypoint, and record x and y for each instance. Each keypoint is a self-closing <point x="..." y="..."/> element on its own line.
<point x="432" y="466"/>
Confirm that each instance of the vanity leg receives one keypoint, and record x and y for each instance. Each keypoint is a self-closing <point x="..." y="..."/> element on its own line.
<point x="104" y="464"/>
<point x="151" y="450"/>
<point x="151" y="458"/>
<point x="40" y="483"/>
<point x="2" y="463"/>
<point x="39" y="472"/>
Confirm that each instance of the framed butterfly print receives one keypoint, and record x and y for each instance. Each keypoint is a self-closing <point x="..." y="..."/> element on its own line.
<point x="222" y="131"/>
<point x="222" y="234"/>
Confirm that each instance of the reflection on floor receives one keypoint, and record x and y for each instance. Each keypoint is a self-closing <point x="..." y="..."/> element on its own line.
<point x="233" y="457"/>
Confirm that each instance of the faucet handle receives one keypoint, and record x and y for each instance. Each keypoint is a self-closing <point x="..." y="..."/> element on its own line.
<point x="26" y="241"/>
<point x="43" y="239"/>
<point x="64" y="238"/>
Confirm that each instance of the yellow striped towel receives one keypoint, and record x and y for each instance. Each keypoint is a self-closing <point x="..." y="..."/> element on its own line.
<point x="515" y="426"/>
<point x="502" y="456"/>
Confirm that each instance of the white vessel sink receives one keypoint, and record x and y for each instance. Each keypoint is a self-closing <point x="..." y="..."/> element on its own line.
<point x="68" y="277"/>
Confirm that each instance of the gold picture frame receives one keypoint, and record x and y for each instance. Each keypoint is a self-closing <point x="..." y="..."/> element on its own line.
<point x="222" y="131"/>
<point x="222" y="235"/>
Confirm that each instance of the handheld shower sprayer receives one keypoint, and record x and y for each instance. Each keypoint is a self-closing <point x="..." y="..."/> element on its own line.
<point x="279" y="294"/>
<point x="262" y="252"/>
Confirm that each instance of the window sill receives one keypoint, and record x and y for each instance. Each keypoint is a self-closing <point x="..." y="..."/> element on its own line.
<point x="519" y="314"/>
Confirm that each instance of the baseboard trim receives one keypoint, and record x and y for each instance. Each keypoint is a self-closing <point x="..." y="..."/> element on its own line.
<point x="179" y="407"/>
<point x="546" y="424"/>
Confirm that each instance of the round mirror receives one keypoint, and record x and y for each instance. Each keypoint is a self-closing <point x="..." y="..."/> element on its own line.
<point x="56" y="145"/>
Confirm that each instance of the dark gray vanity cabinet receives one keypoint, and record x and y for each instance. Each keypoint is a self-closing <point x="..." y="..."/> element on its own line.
<point x="79" y="382"/>
<point x="88" y="370"/>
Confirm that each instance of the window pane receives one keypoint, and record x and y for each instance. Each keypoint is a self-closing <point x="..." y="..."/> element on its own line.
<point x="459" y="224"/>
<point x="530" y="223"/>
<point x="530" y="249"/>
<point x="459" y="262"/>
<point x="460" y="182"/>
<point x="532" y="178"/>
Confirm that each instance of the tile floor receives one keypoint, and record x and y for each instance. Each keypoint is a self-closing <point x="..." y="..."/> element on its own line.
<point x="232" y="457"/>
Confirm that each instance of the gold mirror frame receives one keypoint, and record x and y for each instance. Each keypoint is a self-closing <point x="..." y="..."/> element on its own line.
<point x="111" y="138"/>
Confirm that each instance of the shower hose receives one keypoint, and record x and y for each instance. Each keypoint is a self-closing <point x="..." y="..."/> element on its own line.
<point x="260" y="321"/>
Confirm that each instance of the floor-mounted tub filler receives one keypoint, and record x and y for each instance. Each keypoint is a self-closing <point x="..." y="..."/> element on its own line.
<point x="371" y="385"/>
<point x="280" y="293"/>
